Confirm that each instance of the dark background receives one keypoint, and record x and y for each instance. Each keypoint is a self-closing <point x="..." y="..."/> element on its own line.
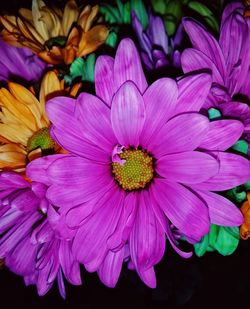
<point x="211" y="281"/>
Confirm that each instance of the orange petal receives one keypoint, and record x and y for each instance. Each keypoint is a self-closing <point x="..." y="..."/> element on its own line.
<point x="92" y="39"/>
<point x="70" y="15"/>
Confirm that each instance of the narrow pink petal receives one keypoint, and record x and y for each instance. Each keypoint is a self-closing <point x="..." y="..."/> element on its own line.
<point x="204" y="42"/>
<point x="94" y="116"/>
<point x="126" y="222"/>
<point x="193" y="59"/>
<point x="160" y="103"/>
<point x="104" y="78"/>
<point x="222" y="134"/>
<point x="221" y="210"/>
<point x="89" y="246"/>
<point x="182" y="133"/>
<point x="183" y="208"/>
<point x="37" y="169"/>
<point x="234" y="171"/>
<point x="80" y="146"/>
<point x="185" y="167"/>
<point x="128" y="66"/>
<point x="128" y="115"/>
<point x="70" y="266"/>
<point x="193" y="92"/>
<point x="110" y="268"/>
<point x="79" y="170"/>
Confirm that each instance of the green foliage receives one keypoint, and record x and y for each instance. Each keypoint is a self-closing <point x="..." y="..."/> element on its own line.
<point x="222" y="239"/>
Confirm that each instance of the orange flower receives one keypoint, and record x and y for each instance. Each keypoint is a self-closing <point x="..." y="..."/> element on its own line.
<point x="24" y="126"/>
<point x="245" y="228"/>
<point x="57" y="36"/>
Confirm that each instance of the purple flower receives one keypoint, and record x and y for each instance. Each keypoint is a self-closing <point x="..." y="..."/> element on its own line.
<point x="29" y="245"/>
<point x="228" y="59"/>
<point x="141" y="159"/>
<point x="19" y="62"/>
<point x="154" y="43"/>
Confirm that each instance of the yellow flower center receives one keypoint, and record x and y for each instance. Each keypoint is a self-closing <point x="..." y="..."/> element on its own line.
<point x="136" y="172"/>
<point x="41" y="139"/>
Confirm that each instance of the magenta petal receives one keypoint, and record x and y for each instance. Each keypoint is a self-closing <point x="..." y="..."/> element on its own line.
<point x="183" y="208"/>
<point x="70" y="266"/>
<point x="79" y="170"/>
<point x="128" y="66"/>
<point x="104" y="78"/>
<point x="37" y="169"/>
<point x="160" y="103"/>
<point x="234" y="171"/>
<point x="110" y="268"/>
<point x="182" y="133"/>
<point x="80" y="147"/>
<point x="186" y="168"/>
<point x="222" y="134"/>
<point x="147" y="238"/>
<point x="148" y="277"/>
<point x="193" y="59"/>
<point x="231" y="8"/>
<point x="94" y="116"/>
<point x="126" y="222"/>
<point x="193" y="92"/>
<point x="128" y="115"/>
<point x="22" y="259"/>
<point x="89" y="246"/>
<point x="221" y="210"/>
<point x="205" y="42"/>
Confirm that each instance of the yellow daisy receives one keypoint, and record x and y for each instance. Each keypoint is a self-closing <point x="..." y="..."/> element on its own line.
<point x="57" y="36"/>
<point x="24" y="126"/>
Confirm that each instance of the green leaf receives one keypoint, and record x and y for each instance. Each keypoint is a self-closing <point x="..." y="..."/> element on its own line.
<point x="159" y="6"/>
<point x="205" y="12"/>
<point x="90" y="68"/>
<point x="141" y="12"/>
<point x="247" y="186"/>
<point x="127" y="13"/>
<point x="170" y="24"/>
<point x="212" y="235"/>
<point x="227" y="240"/>
<point x="174" y="8"/>
<point x="111" y="39"/>
<point x="110" y="13"/>
<point x="214" y="113"/>
<point x="241" y="146"/>
<point x="201" y="247"/>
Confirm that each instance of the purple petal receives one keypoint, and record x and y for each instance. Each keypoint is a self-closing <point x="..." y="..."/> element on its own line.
<point x="157" y="33"/>
<point x="104" y="78"/>
<point x="183" y="208"/>
<point x="232" y="8"/>
<point x="128" y="115"/>
<point x="222" y="134"/>
<point x="94" y="117"/>
<point x="110" y="268"/>
<point x="37" y="169"/>
<point x="71" y="268"/>
<point x="193" y="91"/>
<point x="25" y="201"/>
<point x="235" y="29"/>
<point x="147" y="239"/>
<point x="128" y="66"/>
<point x="221" y="210"/>
<point x="185" y="167"/>
<point x="193" y="59"/>
<point x="160" y="103"/>
<point x="234" y="171"/>
<point x="182" y="133"/>
<point x="22" y="259"/>
<point x="205" y="42"/>
<point x="10" y="180"/>
<point x="126" y="222"/>
<point x="89" y="246"/>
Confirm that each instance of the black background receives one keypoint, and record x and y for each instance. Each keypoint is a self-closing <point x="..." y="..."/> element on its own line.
<point x="211" y="281"/>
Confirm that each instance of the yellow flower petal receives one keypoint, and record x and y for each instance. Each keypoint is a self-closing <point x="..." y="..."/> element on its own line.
<point x="16" y="133"/>
<point x="52" y="22"/>
<point x="12" y="157"/>
<point x="39" y="24"/>
<point x="24" y="96"/>
<point x="92" y="39"/>
<point x="70" y="15"/>
<point x="18" y="109"/>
